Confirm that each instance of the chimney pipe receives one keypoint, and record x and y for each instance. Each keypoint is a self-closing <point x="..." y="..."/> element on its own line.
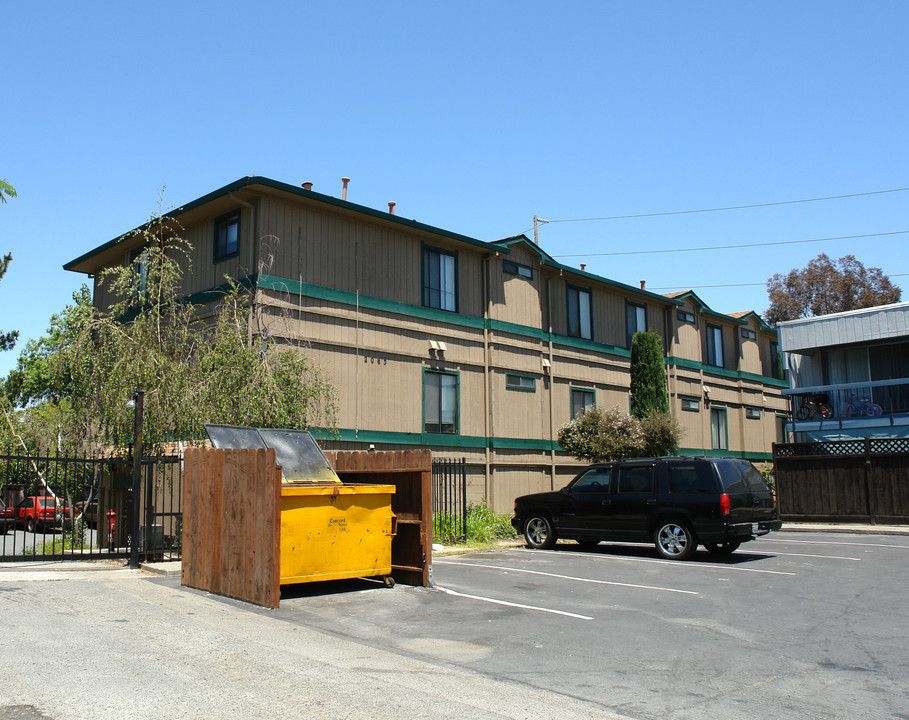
<point x="391" y="207"/>
<point x="643" y="283"/>
<point x="344" y="180"/>
<point x="307" y="186"/>
<point x="583" y="267"/>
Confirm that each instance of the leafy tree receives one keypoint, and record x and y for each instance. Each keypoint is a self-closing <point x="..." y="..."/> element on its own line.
<point x="7" y="340"/>
<point x="648" y="376"/>
<point x="662" y="434"/>
<point x="825" y="287"/>
<point x="193" y="369"/>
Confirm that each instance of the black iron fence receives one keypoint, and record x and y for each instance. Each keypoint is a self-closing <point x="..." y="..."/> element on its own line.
<point x="449" y="499"/>
<point x="62" y="507"/>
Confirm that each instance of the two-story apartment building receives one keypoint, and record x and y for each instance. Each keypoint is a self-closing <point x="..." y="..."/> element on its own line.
<point x="470" y="348"/>
<point x="849" y="374"/>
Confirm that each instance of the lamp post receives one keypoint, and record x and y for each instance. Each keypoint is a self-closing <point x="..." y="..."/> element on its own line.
<point x="139" y="399"/>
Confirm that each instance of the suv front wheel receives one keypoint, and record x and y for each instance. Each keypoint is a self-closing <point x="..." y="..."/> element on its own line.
<point x="538" y="532"/>
<point x="674" y="540"/>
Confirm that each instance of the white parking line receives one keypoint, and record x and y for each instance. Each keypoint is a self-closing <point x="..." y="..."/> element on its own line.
<point x="514" y="605"/>
<point x="673" y="563"/>
<point x="837" y="542"/>
<point x="825" y="557"/>
<point x="567" y="577"/>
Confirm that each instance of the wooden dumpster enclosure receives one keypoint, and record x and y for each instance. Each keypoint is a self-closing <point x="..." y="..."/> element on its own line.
<point x="232" y="517"/>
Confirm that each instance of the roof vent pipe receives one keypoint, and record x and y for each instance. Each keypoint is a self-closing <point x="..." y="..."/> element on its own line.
<point x="344" y="181"/>
<point x="583" y="267"/>
<point x="391" y="207"/>
<point x="643" y="283"/>
<point x="307" y="186"/>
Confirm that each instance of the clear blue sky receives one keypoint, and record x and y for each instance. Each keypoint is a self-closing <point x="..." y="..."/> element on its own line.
<point x="473" y="117"/>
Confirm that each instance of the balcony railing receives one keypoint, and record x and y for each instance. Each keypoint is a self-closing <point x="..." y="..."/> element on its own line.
<point x="852" y="401"/>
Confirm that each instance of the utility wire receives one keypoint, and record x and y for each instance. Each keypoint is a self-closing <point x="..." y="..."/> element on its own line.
<point x="731" y="247"/>
<point x="733" y="207"/>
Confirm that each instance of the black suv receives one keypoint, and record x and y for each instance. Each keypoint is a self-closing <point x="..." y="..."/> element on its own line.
<point x="673" y="502"/>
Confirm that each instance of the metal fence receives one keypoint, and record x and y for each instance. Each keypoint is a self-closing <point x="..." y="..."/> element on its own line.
<point x="61" y="507"/>
<point x="449" y="499"/>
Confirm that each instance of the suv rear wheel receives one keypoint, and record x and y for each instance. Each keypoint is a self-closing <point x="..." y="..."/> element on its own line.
<point x="674" y="540"/>
<point x="538" y="532"/>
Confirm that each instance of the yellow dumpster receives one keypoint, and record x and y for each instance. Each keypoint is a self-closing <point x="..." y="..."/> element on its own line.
<point x="329" y="530"/>
<point x="335" y="531"/>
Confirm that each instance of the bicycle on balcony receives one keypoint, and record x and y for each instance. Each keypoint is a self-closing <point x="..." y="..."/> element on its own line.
<point x="814" y="405"/>
<point x="862" y="406"/>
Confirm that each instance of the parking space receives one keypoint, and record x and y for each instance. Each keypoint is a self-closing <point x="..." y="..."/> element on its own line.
<point x="791" y="625"/>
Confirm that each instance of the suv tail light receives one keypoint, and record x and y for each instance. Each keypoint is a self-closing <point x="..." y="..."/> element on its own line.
<point x="725" y="506"/>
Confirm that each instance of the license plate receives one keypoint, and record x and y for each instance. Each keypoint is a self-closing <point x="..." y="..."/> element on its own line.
<point x="754" y="527"/>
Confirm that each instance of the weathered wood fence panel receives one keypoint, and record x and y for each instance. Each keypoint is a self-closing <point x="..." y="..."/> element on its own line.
<point x="410" y="471"/>
<point x="864" y="480"/>
<point x="232" y="524"/>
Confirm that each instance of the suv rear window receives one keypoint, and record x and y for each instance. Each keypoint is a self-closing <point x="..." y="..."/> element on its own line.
<point x="731" y="476"/>
<point x="686" y="478"/>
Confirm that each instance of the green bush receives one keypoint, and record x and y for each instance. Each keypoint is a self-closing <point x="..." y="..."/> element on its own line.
<point x="483" y="526"/>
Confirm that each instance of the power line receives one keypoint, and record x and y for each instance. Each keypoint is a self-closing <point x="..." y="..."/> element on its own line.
<point x="732" y="247"/>
<point x="734" y="207"/>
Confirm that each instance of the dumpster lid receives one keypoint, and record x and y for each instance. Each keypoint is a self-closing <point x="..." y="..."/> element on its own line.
<point x="300" y="458"/>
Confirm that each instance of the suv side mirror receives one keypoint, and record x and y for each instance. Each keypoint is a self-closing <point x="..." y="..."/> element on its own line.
<point x="564" y="490"/>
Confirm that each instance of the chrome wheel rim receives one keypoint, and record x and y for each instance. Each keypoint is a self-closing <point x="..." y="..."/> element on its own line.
<point x="673" y="539"/>
<point x="537" y="531"/>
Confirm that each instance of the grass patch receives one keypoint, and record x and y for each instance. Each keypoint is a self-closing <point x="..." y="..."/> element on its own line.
<point x="484" y="527"/>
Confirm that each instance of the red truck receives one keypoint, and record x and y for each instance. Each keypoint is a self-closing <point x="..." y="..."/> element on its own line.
<point x="38" y="512"/>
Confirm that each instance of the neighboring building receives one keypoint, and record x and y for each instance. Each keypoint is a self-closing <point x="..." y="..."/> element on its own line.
<point x="476" y="349"/>
<point x="853" y="365"/>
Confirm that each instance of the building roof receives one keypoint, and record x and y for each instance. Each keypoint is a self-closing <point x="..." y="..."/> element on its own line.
<point x="868" y="325"/>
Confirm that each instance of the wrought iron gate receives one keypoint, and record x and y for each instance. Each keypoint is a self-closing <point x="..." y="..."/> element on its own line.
<point x="449" y="499"/>
<point x="59" y="507"/>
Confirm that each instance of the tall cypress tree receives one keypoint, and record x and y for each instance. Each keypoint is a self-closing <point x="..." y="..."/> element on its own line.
<point x="648" y="376"/>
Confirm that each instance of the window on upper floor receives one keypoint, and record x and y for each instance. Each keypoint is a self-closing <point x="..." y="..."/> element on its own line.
<point x="776" y="361"/>
<point x="749" y="334"/>
<point x="138" y="258"/>
<point x="753" y="413"/>
<point x="513" y="268"/>
<point x="719" y="435"/>
<point x="581" y="401"/>
<point x="691" y="404"/>
<point x="520" y="382"/>
<point x="440" y="279"/>
<point x="227" y="235"/>
<point x="635" y="320"/>
<point x="440" y="402"/>
<point x="579" y="324"/>
<point x="685" y="316"/>
<point x="715" y="346"/>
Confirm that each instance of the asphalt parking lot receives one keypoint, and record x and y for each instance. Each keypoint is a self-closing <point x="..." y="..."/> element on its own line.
<point x="793" y="625"/>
